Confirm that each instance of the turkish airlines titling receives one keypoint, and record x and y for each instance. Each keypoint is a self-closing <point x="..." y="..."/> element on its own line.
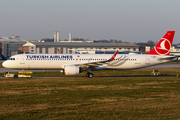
<point x="49" y="56"/>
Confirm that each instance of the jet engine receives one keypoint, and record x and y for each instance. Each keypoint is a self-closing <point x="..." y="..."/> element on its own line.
<point x="72" y="70"/>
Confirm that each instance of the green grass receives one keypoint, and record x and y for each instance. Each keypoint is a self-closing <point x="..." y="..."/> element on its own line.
<point x="84" y="98"/>
<point x="92" y="98"/>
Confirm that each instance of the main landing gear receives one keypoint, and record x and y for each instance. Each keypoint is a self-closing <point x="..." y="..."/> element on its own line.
<point x="90" y="75"/>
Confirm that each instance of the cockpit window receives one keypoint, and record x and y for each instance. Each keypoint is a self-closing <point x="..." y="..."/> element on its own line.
<point x="12" y="58"/>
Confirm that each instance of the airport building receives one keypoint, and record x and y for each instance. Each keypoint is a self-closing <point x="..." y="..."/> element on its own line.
<point x="84" y="48"/>
<point x="9" y="45"/>
<point x="56" y="36"/>
<point x="15" y="45"/>
<point x="175" y="49"/>
<point x="74" y="48"/>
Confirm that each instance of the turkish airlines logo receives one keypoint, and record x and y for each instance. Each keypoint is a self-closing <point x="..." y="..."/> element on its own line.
<point x="163" y="46"/>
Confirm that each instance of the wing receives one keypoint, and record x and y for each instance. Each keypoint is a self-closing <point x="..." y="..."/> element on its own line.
<point x="98" y="62"/>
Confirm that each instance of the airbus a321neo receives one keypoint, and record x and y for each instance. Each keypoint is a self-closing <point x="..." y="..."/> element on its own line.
<point x="73" y="64"/>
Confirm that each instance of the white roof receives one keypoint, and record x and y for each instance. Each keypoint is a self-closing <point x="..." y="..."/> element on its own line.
<point x="9" y="39"/>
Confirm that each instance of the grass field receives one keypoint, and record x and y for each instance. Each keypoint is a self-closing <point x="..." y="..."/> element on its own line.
<point x="84" y="98"/>
<point x="92" y="98"/>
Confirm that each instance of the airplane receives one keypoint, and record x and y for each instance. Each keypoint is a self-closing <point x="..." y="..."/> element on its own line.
<point x="73" y="64"/>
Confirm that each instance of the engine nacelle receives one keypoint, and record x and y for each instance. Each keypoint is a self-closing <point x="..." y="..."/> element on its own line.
<point x="72" y="70"/>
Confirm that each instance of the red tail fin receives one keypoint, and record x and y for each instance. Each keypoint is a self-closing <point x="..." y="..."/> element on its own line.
<point x="163" y="47"/>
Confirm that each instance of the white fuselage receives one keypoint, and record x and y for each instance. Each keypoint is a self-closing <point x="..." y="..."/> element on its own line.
<point x="58" y="61"/>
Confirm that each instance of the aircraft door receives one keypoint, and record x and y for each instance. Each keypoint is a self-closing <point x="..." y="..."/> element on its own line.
<point x="147" y="60"/>
<point x="22" y="59"/>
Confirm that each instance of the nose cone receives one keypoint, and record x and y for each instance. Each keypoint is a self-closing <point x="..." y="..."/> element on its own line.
<point x="5" y="64"/>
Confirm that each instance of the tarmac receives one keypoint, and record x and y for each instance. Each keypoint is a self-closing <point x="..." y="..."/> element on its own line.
<point x="157" y="66"/>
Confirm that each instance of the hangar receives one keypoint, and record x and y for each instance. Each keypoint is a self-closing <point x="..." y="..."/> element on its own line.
<point x="73" y="47"/>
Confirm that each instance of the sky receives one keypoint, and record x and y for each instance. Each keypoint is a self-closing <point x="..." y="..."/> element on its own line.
<point x="126" y="20"/>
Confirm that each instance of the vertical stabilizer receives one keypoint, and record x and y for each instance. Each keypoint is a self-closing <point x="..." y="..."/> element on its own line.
<point x="163" y="47"/>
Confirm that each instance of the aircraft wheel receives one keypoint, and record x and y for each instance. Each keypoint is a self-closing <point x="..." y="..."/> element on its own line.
<point x="90" y="75"/>
<point x="15" y="76"/>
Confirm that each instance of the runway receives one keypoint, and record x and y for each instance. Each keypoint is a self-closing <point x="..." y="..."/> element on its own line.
<point x="109" y="77"/>
<point x="157" y="66"/>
